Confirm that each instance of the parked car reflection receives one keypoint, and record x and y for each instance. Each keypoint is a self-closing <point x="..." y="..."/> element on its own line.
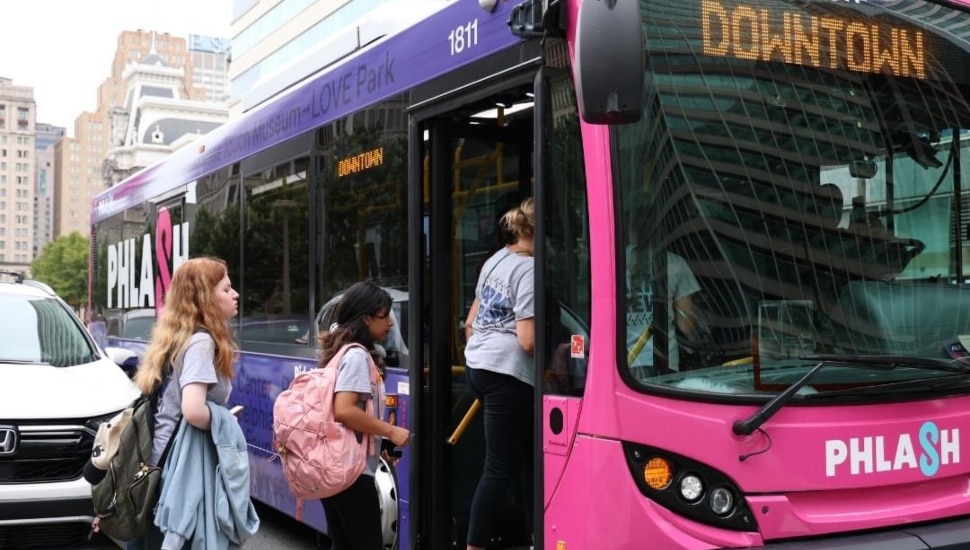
<point x="135" y="324"/>
<point x="271" y="329"/>
<point x="395" y="347"/>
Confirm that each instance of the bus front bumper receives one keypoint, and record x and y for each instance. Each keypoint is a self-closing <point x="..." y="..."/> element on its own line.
<point x="946" y="535"/>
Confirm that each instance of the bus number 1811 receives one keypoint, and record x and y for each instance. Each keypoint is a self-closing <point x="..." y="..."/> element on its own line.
<point x="465" y="36"/>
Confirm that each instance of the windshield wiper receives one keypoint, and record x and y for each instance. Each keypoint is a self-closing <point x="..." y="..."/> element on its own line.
<point x="756" y="420"/>
<point x="893" y="361"/>
<point x="949" y="382"/>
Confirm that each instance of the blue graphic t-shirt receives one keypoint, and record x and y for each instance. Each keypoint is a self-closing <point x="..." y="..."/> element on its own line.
<point x="506" y="294"/>
<point x="640" y="303"/>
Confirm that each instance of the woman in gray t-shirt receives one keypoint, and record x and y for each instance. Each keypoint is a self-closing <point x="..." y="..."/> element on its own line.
<point x="192" y="334"/>
<point x="500" y="330"/>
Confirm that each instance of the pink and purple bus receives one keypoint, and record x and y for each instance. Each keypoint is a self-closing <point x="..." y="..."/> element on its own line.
<point x="753" y="269"/>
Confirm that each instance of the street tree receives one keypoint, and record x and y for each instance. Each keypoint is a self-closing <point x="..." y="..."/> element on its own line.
<point x="64" y="266"/>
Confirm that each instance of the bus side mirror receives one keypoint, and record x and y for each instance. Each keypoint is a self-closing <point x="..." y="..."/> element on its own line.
<point x="609" y="61"/>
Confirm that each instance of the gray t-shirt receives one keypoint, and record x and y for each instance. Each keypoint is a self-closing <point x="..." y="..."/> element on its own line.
<point x="353" y="375"/>
<point x="680" y="284"/>
<point x="506" y="293"/>
<point x="197" y="366"/>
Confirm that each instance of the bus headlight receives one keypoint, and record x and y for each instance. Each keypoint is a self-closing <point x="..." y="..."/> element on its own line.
<point x="691" y="487"/>
<point x="722" y="501"/>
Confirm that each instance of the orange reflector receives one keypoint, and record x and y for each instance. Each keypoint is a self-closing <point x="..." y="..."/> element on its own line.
<point x="560" y="545"/>
<point x="657" y="473"/>
<point x="390" y="401"/>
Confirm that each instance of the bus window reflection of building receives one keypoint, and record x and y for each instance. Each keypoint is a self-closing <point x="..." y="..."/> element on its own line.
<point x="829" y="205"/>
<point x="861" y="221"/>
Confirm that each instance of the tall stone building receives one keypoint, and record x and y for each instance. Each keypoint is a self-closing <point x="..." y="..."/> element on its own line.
<point x="47" y="136"/>
<point x="18" y="112"/>
<point x="209" y="67"/>
<point x="80" y="171"/>
<point x="155" y="118"/>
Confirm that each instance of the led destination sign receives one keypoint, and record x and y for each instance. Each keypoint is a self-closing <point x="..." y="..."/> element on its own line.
<point x="825" y="42"/>
<point x="360" y="162"/>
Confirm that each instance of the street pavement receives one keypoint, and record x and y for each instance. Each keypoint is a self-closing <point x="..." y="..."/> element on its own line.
<point x="276" y="531"/>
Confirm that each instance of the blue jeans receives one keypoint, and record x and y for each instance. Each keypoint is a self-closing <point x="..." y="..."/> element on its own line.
<point x="509" y="413"/>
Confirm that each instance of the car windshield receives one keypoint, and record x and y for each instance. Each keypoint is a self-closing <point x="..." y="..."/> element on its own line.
<point x="778" y="202"/>
<point x="40" y="331"/>
<point x="138" y="328"/>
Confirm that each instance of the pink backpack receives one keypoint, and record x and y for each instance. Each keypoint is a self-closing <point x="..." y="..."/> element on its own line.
<point x="321" y="457"/>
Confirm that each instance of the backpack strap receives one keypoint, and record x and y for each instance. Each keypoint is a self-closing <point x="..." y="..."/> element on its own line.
<point x="375" y="378"/>
<point x="176" y="365"/>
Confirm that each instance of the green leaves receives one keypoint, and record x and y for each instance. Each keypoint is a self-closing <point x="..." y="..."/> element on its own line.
<point x="64" y="266"/>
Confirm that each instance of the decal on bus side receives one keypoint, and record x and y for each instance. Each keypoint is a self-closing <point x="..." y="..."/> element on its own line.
<point x="935" y="447"/>
<point x="138" y="286"/>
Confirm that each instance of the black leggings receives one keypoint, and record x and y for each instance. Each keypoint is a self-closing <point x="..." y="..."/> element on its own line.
<point x="354" y="517"/>
<point x="509" y="414"/>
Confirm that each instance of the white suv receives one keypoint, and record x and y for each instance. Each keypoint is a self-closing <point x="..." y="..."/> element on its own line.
<point x="56" y="387"/>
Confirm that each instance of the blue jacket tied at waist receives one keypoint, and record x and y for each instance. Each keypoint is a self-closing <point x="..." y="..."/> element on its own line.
<point x="205" y="487"/>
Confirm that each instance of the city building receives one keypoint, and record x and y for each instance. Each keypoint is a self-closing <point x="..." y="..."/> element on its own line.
<point x="154" y="118"/>
<point x="209" y="68"/>
<point x="46" y="138"/>
<point x="82" y="168"/>
<point x="18" y="112"/>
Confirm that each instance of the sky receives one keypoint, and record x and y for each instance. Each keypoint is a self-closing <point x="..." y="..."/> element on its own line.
<point x="63" y="49"/>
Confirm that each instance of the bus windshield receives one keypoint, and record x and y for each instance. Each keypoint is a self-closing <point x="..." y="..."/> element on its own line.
<point x="794" y="188"/>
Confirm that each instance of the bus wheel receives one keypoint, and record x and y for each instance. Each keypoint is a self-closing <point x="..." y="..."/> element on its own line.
<point x="386" y="480"/>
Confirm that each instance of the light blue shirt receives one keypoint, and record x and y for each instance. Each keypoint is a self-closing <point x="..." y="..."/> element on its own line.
<point x="506" y="295"/>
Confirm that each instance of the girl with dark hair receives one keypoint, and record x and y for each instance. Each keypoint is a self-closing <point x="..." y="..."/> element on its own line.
<point x="362" y="317"/>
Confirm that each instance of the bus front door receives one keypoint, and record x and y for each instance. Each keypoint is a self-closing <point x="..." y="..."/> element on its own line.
<point x="474" y="164"/>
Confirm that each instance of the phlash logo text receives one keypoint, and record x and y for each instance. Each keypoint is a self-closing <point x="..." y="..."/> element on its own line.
<point x="865" y="455"/>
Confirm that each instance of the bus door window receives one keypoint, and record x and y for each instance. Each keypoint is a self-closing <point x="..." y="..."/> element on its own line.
<point x="566" y="252"/>
<point x="479" y="165"/>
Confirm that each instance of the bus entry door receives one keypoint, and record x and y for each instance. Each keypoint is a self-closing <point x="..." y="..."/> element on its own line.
<point x="473" y="170"/>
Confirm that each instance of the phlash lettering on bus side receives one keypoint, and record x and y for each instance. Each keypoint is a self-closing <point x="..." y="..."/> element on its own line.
<point x="873" y="454"/>
<point x="131" y="285"/>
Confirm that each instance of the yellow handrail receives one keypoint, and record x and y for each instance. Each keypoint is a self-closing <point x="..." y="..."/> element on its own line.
<point x="465" y="421"/>
<point x="638" y="345"/>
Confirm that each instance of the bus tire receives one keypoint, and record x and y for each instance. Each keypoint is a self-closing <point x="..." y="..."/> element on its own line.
<point x="385" y="478"/>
